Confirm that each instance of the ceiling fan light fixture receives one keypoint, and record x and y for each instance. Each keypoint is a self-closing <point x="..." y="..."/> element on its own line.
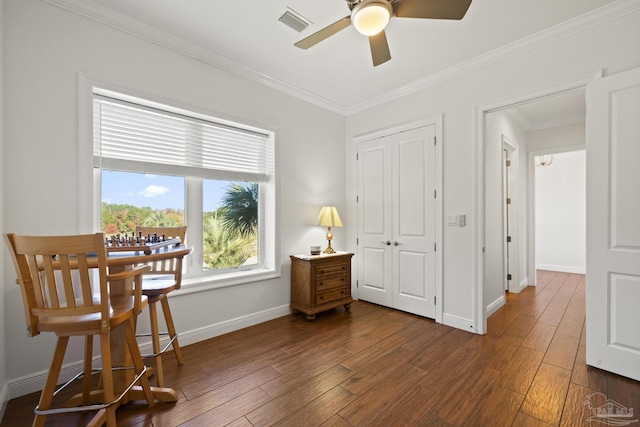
<point x="370" y="17"/>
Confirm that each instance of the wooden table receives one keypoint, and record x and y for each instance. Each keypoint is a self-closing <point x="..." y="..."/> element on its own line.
<point x="119" y="261"/>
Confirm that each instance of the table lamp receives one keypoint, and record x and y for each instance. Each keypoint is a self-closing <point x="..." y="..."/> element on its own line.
<point x="329" y="217"/>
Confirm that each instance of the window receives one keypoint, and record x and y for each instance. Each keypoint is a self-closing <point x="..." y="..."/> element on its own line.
<point x="159" y="165"/>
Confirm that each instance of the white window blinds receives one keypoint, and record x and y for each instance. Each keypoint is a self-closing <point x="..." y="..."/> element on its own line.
<point x="134" y="137"/>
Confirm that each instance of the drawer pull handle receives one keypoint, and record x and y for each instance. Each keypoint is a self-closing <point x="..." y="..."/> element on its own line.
<point x="321" y="296"/>
<point x="321" y="271"/>
<point x="321" y="283"/>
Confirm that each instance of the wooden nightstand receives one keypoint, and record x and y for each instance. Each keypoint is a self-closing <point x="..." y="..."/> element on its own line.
<point x="320" y="283"/>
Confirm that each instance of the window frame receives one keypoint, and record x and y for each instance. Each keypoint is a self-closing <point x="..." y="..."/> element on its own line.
<point x="196" y="278"/>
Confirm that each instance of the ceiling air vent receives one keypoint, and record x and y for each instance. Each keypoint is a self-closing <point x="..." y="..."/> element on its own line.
<point x="294" y="20"/>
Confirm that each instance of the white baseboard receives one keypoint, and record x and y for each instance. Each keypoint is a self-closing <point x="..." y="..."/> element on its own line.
<point x="524" y="284"/>
<point x="562" y="268"/>
<point x="4" y="398"/>
<point x="458" y="322"/>
<point x="35" y="381"/>
<point x="495" y="305"/>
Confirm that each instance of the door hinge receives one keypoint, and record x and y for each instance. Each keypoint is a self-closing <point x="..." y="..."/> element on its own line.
<point x="357" y="241"/>
<point x="508" y="277"/>
<point x="356" y="157"/>
<point x="434" y="247"/>
<point x="509" y="201"/>
<point x="357" y="199"/>
<point x="357" y="283"/>
<point x="434" y="300"/>
<point x="435" y="194"/>
<point x="508" y="239"/>
<point x="508" y="163"/>
<point x="434" y="140"/>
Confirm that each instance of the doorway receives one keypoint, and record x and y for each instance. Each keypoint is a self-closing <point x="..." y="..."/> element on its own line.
<point x="489" y="250"/>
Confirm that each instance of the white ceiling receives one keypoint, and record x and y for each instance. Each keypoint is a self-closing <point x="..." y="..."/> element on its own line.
<point x="246" y="37"/>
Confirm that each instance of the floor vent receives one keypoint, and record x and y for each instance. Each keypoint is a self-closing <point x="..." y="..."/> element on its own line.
<point x="294" y="20"/>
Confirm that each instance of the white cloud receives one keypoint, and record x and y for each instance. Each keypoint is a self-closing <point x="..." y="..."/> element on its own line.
<point x="154" y="190"/>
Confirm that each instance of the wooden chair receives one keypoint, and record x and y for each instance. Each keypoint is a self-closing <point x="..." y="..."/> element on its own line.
<point x="66" y="289"/>
<point x="164" y="277"/>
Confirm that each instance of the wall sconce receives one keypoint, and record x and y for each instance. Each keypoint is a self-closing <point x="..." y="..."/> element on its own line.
<point x="544" y="160"/>
<point x="328" y="217"/>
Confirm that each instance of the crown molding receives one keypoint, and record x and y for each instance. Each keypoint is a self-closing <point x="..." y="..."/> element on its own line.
<point x="141" y="30"/>
<point x="136" y="28"/>
<point x="557" y="32"/>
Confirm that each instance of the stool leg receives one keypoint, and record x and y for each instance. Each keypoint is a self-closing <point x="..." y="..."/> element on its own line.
<point x="107" y="378"/>
<point x="86" y="380"/>
<point x="155" y="338"/>
<point x="171" y="329"/>
<point x="46" y="397"/>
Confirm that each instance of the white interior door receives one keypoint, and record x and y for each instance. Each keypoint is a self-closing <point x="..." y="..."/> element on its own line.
<point x="375" y="258"/>
<point x="613" y="224"/>
<point x="397" y="223"/>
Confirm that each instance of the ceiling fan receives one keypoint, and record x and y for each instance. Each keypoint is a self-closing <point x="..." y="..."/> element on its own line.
<point x="370" y="17"/>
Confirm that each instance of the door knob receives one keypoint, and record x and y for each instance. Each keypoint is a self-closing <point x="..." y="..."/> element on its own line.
<point x="388" y="242"/>
<point x="396" y="243"/>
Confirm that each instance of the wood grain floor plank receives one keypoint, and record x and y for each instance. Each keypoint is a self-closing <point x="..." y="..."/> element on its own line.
<point x="562" y="351"/>
<point x="378" y="370"/>
<point x="575" y="413"/>
<point x="409" y="409"/>
<point x="369" y="405"/>
<point x="225" y="413"/>
<point x="297" y="397"/>
<point x="546" y="396"/>
<point x="539" y="337"/>
<point x="459" y="405"/>
<point x="521" y="370"/>
<point x="320" y="410"/>
<point x="499" y="408"/>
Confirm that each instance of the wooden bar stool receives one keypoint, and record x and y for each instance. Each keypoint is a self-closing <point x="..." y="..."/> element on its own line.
<point x="66" y="289"/>
<point x="165" y="276"/>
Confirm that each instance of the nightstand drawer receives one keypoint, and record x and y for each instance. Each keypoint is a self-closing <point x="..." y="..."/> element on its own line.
<point x="331" y="295"/>
<point x="325" y="283"/>
<point x="329" y="270"/>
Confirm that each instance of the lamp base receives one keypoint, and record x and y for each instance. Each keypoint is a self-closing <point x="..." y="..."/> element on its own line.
<point x="329" y="249"/>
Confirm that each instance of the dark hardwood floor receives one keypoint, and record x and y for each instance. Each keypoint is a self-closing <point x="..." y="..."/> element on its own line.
<point x="380" y="367"/>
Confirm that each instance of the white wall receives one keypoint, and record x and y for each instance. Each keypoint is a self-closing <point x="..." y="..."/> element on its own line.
<point x="612" y="46"/>
<point x="560" y="206"/>
<point x="498" y="126"/>
<point x="46" y="50"/>
<point x="3" y="267"/>
<point x="556" y="139"/>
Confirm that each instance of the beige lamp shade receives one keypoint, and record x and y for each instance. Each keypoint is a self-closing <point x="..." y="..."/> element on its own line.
<point x="329" y="217"/>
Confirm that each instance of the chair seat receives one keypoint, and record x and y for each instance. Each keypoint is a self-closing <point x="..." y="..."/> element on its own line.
<point x="83" y="324"/>
<point x="157" y="287"/>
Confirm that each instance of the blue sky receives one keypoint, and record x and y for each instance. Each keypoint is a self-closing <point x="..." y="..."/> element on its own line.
<point x="155" y="191"/>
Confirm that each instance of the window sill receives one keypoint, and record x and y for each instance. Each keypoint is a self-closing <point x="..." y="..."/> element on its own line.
<point x="205" y="283"/>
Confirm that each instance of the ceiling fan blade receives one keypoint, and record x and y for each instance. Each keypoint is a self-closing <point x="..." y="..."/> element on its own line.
<point x="432" y="9"/>
<point x="379" y="48"/>
<point x="324" y="33"/>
